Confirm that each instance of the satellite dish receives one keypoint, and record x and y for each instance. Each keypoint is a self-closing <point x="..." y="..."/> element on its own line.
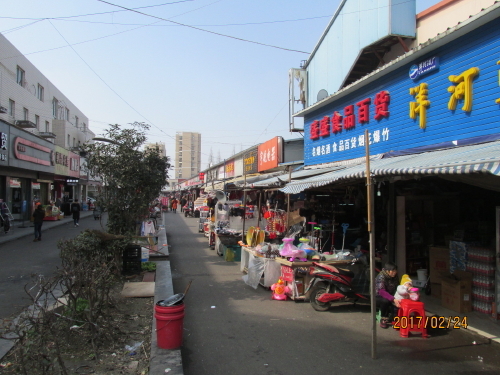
<point x="322" y="94"/>
<point x="221" y="197"/>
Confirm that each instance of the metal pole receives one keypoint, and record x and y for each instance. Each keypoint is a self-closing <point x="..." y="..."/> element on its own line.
<point x="260" y="198"/>
<point x="371" y="230"/>
<point x="244" y="202"/>
<point x="288" y="200"/>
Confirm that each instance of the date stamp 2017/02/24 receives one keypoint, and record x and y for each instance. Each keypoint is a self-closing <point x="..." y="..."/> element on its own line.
<point x="433" y="322"/>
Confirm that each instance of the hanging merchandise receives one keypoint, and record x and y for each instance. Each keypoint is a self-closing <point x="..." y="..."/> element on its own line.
<point x="276" y="223"/>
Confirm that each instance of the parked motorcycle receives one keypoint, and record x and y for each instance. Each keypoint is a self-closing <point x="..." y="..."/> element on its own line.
<point x="330" y="284"/>
<point x="188" y="211"/>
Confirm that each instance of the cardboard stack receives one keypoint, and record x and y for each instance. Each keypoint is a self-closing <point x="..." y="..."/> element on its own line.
<point x="456" y="292"/>
<point x="439" y="267"/>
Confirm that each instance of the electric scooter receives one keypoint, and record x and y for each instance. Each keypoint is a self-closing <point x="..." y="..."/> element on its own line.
<point x="330" y="284"/>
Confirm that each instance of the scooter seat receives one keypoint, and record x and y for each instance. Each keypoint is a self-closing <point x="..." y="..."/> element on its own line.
<point x="345" y="272"/>
<point x="333" y="269"/>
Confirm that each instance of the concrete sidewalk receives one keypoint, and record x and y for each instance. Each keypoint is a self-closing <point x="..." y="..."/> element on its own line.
<point x="21" y="229"/>
<point x="163" y="360"/>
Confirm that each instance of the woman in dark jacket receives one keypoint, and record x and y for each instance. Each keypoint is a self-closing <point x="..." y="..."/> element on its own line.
<point x="385" y="287"/>
<point x="75" y="210"/>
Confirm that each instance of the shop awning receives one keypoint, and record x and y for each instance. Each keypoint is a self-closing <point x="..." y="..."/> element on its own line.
<point x="238" y="182"/>
<point x="466" y="160"/>
<point x="295" y="175"/>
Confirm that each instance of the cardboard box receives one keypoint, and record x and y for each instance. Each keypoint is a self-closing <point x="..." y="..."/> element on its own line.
<point x="439" y="263"/>
<point x="456" y="292"/>
<point x="436" y="290"/>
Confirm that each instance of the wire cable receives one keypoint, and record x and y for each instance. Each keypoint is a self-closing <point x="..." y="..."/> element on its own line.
<point x="200" y="29"/>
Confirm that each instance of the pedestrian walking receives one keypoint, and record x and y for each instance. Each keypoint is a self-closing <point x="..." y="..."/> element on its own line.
<point x="183" y="203"/>
<point x="38" y="216"/>
<point x="75" y="210"/>
<point x="174" y="205"/>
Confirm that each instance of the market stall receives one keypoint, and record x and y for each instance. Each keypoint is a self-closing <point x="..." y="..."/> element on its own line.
<point x="52" y="213"/>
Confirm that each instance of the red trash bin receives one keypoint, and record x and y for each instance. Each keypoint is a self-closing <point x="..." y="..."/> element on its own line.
<point x="169" y="325"/>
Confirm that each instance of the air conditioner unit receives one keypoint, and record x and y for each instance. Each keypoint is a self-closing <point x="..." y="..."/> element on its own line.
<point x="25" y="124"/>
<point x="3" y="109"/>
<point x="47" y="135"/>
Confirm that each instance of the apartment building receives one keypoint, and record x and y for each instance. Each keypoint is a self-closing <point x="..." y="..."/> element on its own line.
<point x="41" y="132"/>
<point x="188" y="154"/>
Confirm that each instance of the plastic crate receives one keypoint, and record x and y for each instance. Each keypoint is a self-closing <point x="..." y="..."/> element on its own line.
<point x="131" y="267"/>
<point x="232" y="253"/>
<point x="132" y="252"/>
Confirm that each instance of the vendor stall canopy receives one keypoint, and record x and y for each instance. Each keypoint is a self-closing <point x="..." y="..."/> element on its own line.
<point x="459" y="163"/>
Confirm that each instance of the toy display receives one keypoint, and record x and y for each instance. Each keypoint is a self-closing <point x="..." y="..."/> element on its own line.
<point x="280" y="290"/>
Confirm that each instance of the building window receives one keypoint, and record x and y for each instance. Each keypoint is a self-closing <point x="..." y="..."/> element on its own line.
<point x="37" y="122"/>
<point x="74" y="142"/>
<point x="26" y="114"/>
<point x="76" y="121"/>
<point x="66" y="112"/>
<point x="55" y="104"/>
<point x="12" y="108"/>
<point x="20" y="76"/>
<point x="47" y="126"/>
<point x="39" y="92"/>
<point x="68" y="140"/>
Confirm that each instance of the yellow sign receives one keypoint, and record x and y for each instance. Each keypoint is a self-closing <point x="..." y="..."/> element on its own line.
<point x="462" y="90"/>
<point x="420" y="105"/>
<point x="498" y="100"/>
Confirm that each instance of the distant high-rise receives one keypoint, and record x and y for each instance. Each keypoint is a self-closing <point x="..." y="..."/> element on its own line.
<point x="188" y="154"/>
<point x="157" y="145"/>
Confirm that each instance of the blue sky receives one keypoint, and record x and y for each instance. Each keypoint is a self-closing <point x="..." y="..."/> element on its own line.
<point x="124" y="66"/>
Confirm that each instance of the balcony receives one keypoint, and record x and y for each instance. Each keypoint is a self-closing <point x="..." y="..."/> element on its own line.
<point x="47" y="135"/>
<point x="25" y="124"/>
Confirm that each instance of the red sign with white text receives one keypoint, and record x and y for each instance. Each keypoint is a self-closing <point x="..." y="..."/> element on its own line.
<point x="269" y="154"/>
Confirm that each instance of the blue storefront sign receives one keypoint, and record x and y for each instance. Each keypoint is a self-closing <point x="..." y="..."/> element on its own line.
<point x="423" y="67"/>
<point x="455" y="97"/>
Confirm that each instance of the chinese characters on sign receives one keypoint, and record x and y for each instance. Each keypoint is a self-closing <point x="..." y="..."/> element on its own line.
<point x="250" y="161"/>
<point x="337" y="122"/>
<point x="350" y="143"/>
<point x="462" y="90"/>
<point x="62" y="159"/>
<point x="498" y="100"/>
<point x="3" y="146"/>
<point x="269" y="154"/>
<point x="230" y="169"/>
<point x="419" y="106"/>
<point x="74" y="164"/>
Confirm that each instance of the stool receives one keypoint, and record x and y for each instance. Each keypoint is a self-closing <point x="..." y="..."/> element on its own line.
<point x="409" y="318"/>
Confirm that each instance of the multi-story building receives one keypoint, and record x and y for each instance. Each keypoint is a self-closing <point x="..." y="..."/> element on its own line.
<point x="41" y="131"/>
<point x="188" y="154"/>
<point x="160" y="146"/>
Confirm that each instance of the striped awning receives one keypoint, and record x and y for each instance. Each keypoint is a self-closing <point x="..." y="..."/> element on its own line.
<point x="474" y="159"/>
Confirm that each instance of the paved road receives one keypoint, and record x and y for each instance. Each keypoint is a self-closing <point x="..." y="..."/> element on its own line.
<point x="21" y="258"/>
<point x="231" y="328"/>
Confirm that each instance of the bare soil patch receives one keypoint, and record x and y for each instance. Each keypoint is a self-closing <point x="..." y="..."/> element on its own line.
<point x="129" y="325"/>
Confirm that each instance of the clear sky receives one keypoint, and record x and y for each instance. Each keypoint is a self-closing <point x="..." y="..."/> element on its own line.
<point x="125" y="66"/>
